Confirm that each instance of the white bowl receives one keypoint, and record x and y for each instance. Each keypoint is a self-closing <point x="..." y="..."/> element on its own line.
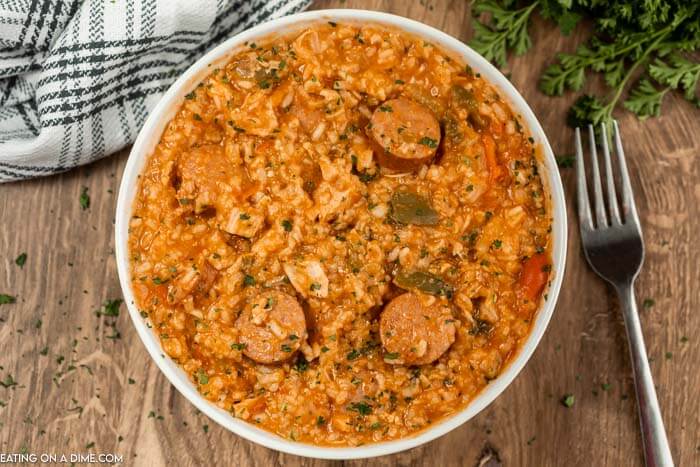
<point x="165" y="110"/>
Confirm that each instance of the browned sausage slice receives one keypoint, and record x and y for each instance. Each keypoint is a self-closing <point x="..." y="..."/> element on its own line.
<point x="272" y="327"/>
<point x="405" y="133"/>
<point x="413" y="332"/>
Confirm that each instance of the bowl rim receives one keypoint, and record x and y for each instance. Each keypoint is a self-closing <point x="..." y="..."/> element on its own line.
<point x="168" y="105"/>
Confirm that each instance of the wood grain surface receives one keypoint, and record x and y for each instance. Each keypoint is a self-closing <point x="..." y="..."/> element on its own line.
<point x="84" y="383"/>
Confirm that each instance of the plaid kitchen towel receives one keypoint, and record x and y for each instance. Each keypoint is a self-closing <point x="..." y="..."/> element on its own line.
<point x="78" y="77"/>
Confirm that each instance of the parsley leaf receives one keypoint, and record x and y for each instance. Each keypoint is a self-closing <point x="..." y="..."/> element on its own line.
<point x="508" y="30"/>
<point x="645" y="100"/>
<point x="678" y="73"/>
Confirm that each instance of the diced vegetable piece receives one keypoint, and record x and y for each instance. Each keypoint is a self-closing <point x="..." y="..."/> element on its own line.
<point x="534" y="275"/>
<point x="266" y="77"/>
<point x="424" y="282"/>
<point x="411" y="208"/>
<point x="452" y="133"/>
<point x="423" y="97"/>
<point x="478" y="121"/>
<point x="464" y="98"/>
<point x="495" y="171"/>
<point x="311" y="176"/>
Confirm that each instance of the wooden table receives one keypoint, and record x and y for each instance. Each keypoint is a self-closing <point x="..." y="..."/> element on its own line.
<point x="84" y="383"/>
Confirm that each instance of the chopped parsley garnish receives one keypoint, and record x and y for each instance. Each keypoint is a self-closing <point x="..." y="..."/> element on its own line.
<point x="237" y="346"/>
<point x="21" y="259"/>
<point x="202" y="377"/>
<point x="385" y="108"/>
<point x="361" y="408"/>
<point x="84" y="198"/>
<point x="426" y="141"/>
<point x="568" y="400"/>
<point x="354" y="354"/>
<point x="285" y="348"/>
<point x="648" y="303"/>
<point x="399" y="81"/>
<point x="244" y="216"/>
<point x="287" y="225"/>
<point x="301" y="365"/>
<point x="197" y="117"/>
<point x="110" y="308"/>
<point x="190" y="95"/>
<point x="565" y="162"/>
<point x="293" y="337"/>
<point x="320" y="421"/>
<point x="8" y="382"/>
<point x="248" y="280"/>
<point x="315" y="286"/>
<point x="6" y="299"/>
<point x="496" y="244"/>
<point x="391" y="355"/>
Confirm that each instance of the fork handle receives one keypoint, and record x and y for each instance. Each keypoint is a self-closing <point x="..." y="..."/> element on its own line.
<point x="656" y="449"/>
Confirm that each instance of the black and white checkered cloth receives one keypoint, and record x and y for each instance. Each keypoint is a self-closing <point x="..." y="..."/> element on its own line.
<point x="78" y="77"/>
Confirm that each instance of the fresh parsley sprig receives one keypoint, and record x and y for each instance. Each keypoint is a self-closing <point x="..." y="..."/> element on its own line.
<point x="642" y="48"/>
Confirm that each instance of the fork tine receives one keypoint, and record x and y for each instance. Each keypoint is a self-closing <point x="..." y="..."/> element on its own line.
<point x="584" y="206"/>
<point x="628" y="208"/>
<point x="612" y="195"/>
<point x="598" y="201"/>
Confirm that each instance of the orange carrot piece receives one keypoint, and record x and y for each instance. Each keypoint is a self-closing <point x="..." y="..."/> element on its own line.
<point x="491" y="161"/>
<point x="534" y="275"/>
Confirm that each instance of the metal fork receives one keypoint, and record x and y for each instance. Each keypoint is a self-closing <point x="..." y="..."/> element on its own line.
<point x="612" y="243"/>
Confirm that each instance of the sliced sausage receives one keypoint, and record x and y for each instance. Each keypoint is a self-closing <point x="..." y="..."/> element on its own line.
<point x="405" y="134"/>
<point x="413" y="332"/>
<point x="271" y="327"/>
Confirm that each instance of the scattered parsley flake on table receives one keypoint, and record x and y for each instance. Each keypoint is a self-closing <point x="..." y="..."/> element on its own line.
<point x="6" y="299"/>
<point x="568" y="400"/>
<point x="84" y="198"/>
<point x="643" y="50"/>
<point x="21" y="260"/>
<point x="110" y="308"/>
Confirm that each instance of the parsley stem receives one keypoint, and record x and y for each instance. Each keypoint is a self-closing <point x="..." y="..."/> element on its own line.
<point x="608" y="109"/>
